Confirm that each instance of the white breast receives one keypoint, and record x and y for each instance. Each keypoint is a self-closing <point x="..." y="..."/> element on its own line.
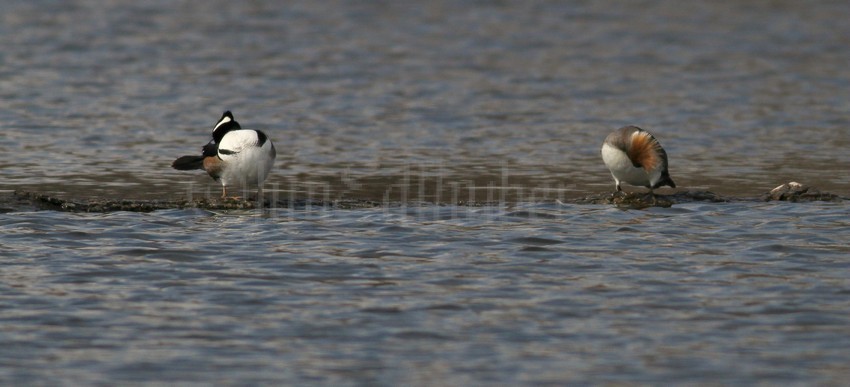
<point x="244" y="161"/>
<point x="236" y="141"/>
<point x="622" y="169"/>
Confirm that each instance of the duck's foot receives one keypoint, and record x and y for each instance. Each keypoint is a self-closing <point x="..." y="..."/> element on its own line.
<point x="651" y="198"/>
<point x="618" y="194"/>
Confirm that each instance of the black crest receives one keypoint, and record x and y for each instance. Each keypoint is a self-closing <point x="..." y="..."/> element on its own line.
<point x="225" y="124"/>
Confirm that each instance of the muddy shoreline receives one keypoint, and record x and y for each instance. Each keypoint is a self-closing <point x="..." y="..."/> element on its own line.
<point x="17" y="201"/>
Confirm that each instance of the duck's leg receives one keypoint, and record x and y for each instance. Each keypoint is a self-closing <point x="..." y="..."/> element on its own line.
<point x="260" y="198"/>
<point x="619" y="190"/>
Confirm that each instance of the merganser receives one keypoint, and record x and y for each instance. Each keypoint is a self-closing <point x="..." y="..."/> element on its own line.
<point x="634" y="156"/>
<point x="234" y="156"/>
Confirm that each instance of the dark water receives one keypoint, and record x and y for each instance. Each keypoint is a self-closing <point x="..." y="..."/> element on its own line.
<point x="731" y="293"/>
<point x="100" y="98"/>
<point x="411" y="103"/>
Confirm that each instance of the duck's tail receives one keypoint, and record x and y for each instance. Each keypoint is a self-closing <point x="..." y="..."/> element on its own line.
<point x="188" y="163"/>
<point x="665" y="180"/>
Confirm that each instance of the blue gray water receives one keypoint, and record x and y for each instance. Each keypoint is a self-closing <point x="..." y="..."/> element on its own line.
<point x="549" y="294"/>
<point x="414" y="105"/>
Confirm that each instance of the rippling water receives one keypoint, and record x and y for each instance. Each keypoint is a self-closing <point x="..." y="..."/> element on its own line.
<point x="733" y="293"/>
<point x="102" y="96"/>
<point x="419" y="104"/>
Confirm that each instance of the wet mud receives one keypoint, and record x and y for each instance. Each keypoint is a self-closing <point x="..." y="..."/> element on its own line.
<point x="30" y="201"/>
<point x="796" y="192"/>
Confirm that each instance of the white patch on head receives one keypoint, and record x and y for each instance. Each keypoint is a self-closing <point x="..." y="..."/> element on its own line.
<point x="223" y="121"/>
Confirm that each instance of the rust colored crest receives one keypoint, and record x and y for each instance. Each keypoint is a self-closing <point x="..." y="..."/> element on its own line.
<point x="644" y="150"/>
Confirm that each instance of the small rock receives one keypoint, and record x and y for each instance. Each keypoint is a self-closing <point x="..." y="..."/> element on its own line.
<point x="796" y="192"/>
<point x="785" y="191"/>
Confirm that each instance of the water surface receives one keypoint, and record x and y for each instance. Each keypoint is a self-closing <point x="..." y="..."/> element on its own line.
<point x="729" y="293"/>
<point x="413" y="105"/>
<point x="101" y="97"/>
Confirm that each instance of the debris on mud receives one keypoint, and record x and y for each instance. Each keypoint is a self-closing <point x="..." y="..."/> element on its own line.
<point x="645" y="199"/>
<point x="30" y="201"/>
<point x="796" y="192"/>
<point x="22" y="200"/>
